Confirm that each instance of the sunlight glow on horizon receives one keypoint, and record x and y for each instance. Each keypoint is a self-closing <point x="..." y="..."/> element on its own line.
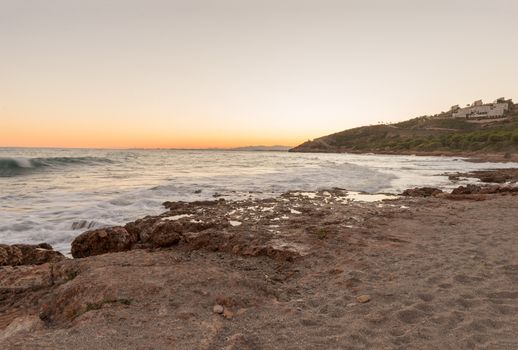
<point x="206" y="74"/>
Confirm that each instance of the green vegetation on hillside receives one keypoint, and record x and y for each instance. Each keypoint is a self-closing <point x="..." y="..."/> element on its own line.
<point x="422" y="134"/>
<point x="428" y="123"/>
<point x="501" y="139"/>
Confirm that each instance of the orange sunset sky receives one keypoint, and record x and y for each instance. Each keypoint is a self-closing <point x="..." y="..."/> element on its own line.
<point x="202" y="73"/>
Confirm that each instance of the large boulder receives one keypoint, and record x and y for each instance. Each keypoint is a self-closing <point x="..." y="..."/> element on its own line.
<point x="28" y="254"/>
<point x="102" y="241"/>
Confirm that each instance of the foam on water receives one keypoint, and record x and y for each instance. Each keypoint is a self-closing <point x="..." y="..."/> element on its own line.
<point x="52" y="195"/>
<point x="367" y="197"/>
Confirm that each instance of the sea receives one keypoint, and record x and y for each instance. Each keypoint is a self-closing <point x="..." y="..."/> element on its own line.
<point x="53" y="195"/>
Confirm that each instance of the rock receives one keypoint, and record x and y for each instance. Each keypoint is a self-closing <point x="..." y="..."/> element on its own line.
<point x="421" y="192"/>
<point x="228" y="314"/>
<point x="166" y="233"/>
<point x="142" y="228"/>
<point x="27" y="254"/>
<point x="477" y="189"/>
<point x="23" y="278"/>
<point x="494" y="178"/>
<point x="10" y="255"/>
<point x="102" y="241"/>
<point x="218" y="309"/>
<point x="363" y="299"/>
<point x="23" y="324"/>
<point x="468" y="189"/>
<point x="45" y="246"/>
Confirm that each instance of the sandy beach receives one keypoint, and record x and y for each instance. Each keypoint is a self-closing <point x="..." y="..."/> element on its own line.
<point x="301" y="271"/>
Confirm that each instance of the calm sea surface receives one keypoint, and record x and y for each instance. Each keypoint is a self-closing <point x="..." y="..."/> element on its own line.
<point x="52" y="195"/>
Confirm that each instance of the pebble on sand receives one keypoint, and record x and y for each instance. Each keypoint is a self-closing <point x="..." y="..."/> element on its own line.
<point x="217" y="309"/>
<point x="228" y="314"/>
<point x="363" y="299"/>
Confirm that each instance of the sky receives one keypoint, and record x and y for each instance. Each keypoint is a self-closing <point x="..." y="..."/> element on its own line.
<point x="226" y="73"/>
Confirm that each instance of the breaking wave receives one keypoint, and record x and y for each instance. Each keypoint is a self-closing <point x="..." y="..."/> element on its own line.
<point x="18" y="166"/>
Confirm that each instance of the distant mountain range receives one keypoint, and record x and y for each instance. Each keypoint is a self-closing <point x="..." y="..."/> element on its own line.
<point x="260" y="148"/>
<point x="427" y="135"/>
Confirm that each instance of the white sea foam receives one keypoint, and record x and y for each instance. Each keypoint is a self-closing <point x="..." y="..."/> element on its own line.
<point x="176" y="217"/>
<point x="367" y="197"/>
<point x="23" y="162"/>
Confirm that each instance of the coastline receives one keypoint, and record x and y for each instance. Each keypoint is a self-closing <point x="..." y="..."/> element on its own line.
<point x="475" y="157"/>
<point x="303" y="270"/>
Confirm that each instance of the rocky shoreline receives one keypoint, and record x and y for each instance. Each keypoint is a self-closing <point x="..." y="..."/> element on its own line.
<point x="306" y="270"/>
<point x="475" y="157"/>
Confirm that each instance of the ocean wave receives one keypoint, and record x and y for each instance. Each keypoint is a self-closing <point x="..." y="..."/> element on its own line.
<point x="17" y="166"/>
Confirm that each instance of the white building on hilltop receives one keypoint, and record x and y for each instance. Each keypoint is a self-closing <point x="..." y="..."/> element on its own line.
<point x="478" y="110"/>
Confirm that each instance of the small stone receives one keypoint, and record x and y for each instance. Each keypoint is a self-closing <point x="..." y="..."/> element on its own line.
<point x="228" y="314"/>
<point x="218" y="309"/>
<point x="363" y="299"/>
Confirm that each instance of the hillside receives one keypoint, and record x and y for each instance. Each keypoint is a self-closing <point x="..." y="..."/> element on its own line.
<point x="439" y="134"/>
